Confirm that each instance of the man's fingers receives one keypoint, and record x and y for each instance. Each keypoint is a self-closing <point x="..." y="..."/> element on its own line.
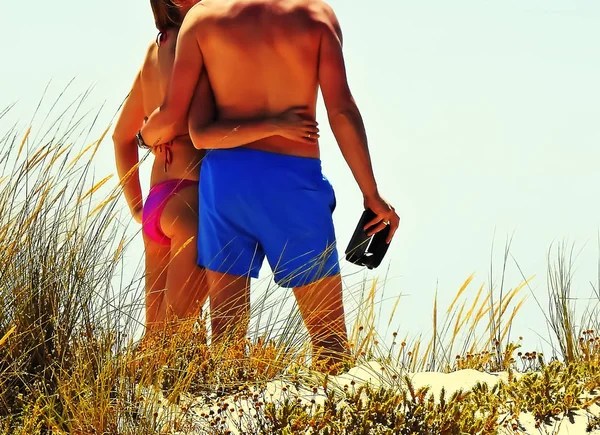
<point x="372" y="222"/>
<point x="394" y="224"/>
<point x="307" y="136"/>
<point x="391" y="235"/>
<point x="376" y="228"/>
<point x="393" y="227"/>
<point x="312" y="130"/>
<point x="380" y="222"/>
<point x="307" y="140"/>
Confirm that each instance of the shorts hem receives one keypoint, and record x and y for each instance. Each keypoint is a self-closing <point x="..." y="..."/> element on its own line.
<point x="302" y="280"/>
<point x="228" y="270"/>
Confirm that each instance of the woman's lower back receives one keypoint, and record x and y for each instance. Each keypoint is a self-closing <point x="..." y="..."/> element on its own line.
<point x="178" y="160"/>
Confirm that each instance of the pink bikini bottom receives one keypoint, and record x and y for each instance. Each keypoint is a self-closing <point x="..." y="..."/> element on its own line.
<point x="155" y="203"/>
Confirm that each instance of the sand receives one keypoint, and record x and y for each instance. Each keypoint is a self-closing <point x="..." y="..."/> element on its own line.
<point x="373" y="374"/>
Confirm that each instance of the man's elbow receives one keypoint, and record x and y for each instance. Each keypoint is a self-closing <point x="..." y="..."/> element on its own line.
<point x="201" y="129"/>
<point x="197" y="134"/>
<point x="342" y="106"/>
<point x="342" y="114"/>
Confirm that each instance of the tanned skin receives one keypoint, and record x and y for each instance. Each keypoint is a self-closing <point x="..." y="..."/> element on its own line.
<point x="174" y="283"/>
<point x="264" y="57"/>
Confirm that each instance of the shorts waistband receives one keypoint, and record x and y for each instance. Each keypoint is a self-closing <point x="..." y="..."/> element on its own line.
<point x="252" y="156"/>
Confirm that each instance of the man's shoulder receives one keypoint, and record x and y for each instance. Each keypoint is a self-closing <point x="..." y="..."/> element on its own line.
<point x="322" y="14"/>
<point x="216" y="12"/>
<point x="321" y="9"/>
<point x="324" y="17"/>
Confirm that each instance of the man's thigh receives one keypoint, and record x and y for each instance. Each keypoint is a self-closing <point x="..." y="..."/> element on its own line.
<point x="300" y="244"/>
<point x="226" y="243"/>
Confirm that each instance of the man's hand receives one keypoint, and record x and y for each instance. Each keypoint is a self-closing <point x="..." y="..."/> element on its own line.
<point x="386" y="215"/>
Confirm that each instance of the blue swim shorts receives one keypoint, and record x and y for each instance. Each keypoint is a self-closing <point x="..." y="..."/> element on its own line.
<point x="255" y="204"/>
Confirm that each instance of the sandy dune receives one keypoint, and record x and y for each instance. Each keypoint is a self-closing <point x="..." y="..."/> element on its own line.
<point x="375" y="375"/>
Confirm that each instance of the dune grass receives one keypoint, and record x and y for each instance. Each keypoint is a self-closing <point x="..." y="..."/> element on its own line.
<point x="70" y="362"/>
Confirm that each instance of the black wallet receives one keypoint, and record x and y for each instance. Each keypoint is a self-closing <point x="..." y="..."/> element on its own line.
<point x="365" y="250"/>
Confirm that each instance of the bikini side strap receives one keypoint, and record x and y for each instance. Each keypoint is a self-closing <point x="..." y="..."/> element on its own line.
<point x="168" y="153"/>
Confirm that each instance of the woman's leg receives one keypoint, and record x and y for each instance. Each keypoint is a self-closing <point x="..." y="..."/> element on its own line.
<point x="187" y="288"/>
<point x="157" y="260"/>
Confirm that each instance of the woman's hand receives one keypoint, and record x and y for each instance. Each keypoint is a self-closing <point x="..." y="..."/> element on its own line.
<point x="296" y="124"/>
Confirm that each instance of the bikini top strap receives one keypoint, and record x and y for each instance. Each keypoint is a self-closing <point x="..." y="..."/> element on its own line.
<point x="161" y="37"/>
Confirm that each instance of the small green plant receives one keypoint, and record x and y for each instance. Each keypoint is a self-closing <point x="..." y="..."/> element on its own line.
<point x="556" y="390"/>
<point x="370" y="410"/>
<point x="593" y="424"/>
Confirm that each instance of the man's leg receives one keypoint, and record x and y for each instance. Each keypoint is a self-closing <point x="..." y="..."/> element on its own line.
<point x="227" y="244"/>
<point x="229" y="306"/>
<point x="322" y="309"/>
<point x="300" y="244"/>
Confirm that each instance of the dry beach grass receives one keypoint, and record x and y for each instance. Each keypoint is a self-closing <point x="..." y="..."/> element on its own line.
<point x="70" y="361"/>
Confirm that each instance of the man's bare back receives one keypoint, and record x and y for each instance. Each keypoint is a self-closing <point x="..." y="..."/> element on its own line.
<point x="262" y="57"/>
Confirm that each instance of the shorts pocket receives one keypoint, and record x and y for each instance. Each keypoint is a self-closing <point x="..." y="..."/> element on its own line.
<point x="330" y="191"/>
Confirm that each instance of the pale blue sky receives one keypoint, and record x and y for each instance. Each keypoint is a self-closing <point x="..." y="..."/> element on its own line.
<point x="482" y="118"/>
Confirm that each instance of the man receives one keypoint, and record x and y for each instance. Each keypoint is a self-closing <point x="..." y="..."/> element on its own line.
<point x="269" y="198"/>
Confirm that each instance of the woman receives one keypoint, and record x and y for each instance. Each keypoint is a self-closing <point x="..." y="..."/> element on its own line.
<point x="175" y="285"/>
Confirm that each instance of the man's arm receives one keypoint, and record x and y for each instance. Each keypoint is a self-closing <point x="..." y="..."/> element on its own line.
<point x="170" y="119"/>
<point x="208" y="132"/>
<point x="342" y="111"/>
<point x="347" y="124"/>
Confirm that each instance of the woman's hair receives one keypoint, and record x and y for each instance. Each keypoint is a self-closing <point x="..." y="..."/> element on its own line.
<point x="166" y="14"/>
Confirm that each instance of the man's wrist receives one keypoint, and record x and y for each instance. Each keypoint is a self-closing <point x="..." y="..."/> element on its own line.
<point x="271" y="125"/>
<point x="373" y="192"/>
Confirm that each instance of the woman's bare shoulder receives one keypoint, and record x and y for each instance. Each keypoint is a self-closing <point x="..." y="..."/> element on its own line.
<point x="160" y="53"/>
<point x="150" y="58"/>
